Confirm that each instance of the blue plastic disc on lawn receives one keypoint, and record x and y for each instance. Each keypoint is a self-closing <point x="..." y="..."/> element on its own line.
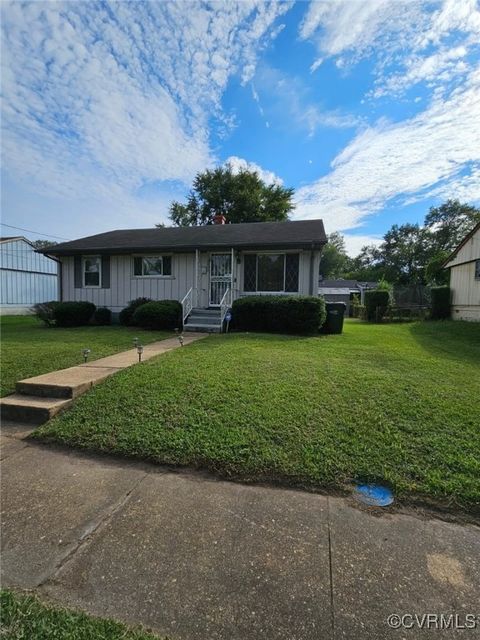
<point x="375" y="495"/>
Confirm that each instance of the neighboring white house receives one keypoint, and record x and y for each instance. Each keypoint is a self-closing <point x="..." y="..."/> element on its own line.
<point x="464" y="265"/>
<point x="26" y="277"/>
<point x="205" y="267"/>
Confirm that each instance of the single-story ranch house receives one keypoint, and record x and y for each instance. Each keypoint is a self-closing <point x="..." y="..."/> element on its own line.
<point x="464" y="265"/>
<point x="205" y="267"/>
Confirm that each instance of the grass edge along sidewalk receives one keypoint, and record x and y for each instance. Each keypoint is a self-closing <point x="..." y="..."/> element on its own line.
<point x="24" y="616"/>
<point x="392" y="403"/>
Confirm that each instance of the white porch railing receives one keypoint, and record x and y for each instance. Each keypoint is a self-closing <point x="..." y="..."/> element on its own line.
<point x="225" y="304"/>
<point x="187" y="304"/>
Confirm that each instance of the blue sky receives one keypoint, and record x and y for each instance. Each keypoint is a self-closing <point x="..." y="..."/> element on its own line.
<point x="370" y="109"/>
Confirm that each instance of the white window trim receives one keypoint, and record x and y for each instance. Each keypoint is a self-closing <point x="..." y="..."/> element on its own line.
<point x="273" y="293"/>
<point x="92" y="286"/>
<point x="150" y="277"/>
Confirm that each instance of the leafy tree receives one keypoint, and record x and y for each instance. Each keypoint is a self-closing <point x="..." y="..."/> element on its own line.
<point x="367" y="266"/>
<point x="43" y="244"/>
<point x="405" y="251"/>
<point x="434" y="271"/>
<point x="241" y="197"/>
<point x="449" y="223"/>
<point x="334" y="257"/>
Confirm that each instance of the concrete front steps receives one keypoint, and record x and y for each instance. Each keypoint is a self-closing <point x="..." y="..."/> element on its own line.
<point x="207" y="320"/>
<point x="40" y="398"/>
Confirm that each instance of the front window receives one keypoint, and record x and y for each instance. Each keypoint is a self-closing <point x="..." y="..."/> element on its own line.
<point x="152" y="266"/>
<point x="477" y="269"/>
<point x="92" y="269"/>
<point x="272" y="272"/>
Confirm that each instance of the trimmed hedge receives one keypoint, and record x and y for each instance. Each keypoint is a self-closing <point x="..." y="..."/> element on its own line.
<point x="45" y="311"/>
<point x="125" y="316"/>
<point x="440" y="303"/>
<point x="376" y="304"/>
<point x="162" y="314"/>
<point x="279" y="314"/>
<point x="102" y="316"/>
<point x="73" y="314"/>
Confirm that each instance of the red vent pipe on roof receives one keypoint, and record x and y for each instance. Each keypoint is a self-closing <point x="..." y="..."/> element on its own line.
<point x="219" y="219"/>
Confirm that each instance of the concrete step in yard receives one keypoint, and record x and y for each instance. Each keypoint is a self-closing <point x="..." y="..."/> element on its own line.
<point x="40" y="398"/>
<point x="32" y="409"/>
<point x="67" y="383"/>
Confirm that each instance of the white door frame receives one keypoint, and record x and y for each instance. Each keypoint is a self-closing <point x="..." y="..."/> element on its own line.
<point x="227" y="279"/>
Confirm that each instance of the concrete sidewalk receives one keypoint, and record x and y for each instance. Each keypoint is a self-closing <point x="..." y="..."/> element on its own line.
<point x="200" y="559"/>
<point x="40" y="398"/>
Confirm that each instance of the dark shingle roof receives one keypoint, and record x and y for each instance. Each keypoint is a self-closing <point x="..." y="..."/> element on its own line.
<point x="253" y="234"/>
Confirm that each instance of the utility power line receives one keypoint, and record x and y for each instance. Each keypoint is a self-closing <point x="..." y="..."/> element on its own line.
<point x="38" y="233"/>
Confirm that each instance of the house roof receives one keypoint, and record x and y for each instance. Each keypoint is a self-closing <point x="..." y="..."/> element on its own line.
<point x="462" y="244"/>
<point x="300" y="234"/>
<point x="10" y="238"/>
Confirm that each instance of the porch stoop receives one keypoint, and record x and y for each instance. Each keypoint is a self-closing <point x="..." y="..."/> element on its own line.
<point x="206" y="320"/>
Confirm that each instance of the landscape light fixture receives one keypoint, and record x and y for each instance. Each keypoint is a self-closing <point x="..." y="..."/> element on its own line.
<point x="180" y="339"/>
<point x="135" y="342"/>
<point x="139" y="351"/>
<point x="85" y="353"/>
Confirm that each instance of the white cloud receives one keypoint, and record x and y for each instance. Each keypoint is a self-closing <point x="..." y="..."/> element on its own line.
<point x="435" y="153"/>
<point x="413" y="40"/>
<point x="99" y="99"/>
<point x="239" y="164"/>
<point x="354" y="243"/>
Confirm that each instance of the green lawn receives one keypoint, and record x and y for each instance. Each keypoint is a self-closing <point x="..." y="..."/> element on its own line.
<point x="28" y="348"/>
<point x="394" y="402"/>
<point x="24" y="617"/>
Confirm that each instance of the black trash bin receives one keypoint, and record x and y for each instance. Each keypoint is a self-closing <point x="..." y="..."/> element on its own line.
<point x="334" y="321"/>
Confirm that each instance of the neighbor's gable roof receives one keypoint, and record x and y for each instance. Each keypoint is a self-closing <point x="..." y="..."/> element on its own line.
<point x="469" y="235"/>
<point x="300" y="234"/>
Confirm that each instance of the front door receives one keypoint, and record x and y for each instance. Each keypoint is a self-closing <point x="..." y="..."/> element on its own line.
<point x="220" y="276"/>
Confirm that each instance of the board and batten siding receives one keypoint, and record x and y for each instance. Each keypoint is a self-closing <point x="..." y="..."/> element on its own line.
<point x="465" y="292"/>
<point x="124" y="286"/>
<point x="26" y="277"/>
<point x="463" y="284"/>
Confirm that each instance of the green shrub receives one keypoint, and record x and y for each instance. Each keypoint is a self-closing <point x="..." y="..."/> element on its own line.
<point x="102" y="316"/>
<point x="73" y="314"/>
<point x="279" y="314"/>
<point x="440" y="303"/>
<point x="162" y="314"/>
<point x="376" y="304"/>
<point x="45" y="311"/>
<point x="125" y="316"/>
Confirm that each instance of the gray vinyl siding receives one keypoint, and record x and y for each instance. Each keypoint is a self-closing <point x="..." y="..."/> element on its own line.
<point x="124" y="286"/>
<point x="26" y="277"/>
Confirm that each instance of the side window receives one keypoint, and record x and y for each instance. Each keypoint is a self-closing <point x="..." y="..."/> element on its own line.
<point x="477" y="269"/>
<point x="92" y="269"/>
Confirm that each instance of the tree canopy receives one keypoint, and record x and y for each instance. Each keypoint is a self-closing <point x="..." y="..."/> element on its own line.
<point x="240" y="196"/>
<point x="415" y="254"/>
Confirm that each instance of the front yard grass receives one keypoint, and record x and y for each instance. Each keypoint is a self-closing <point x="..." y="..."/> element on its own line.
<point x="29" y="349"/>
<point x="398" y="403"/>
<point x="24" y="617"/>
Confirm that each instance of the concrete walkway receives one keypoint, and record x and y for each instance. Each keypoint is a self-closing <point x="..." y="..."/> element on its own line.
<point x="40" y="398"/>
<point x="200" y="559"/>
